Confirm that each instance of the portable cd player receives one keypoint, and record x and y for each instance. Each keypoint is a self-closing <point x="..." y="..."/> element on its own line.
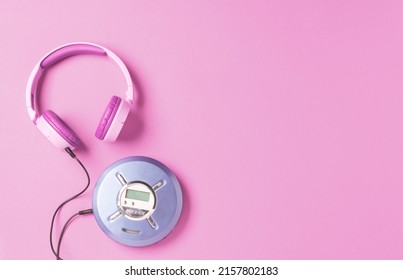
<point x="137" y="201"/>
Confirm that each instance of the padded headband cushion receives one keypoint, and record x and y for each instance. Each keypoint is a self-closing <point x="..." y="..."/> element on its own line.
<point x="61" y="128"/>
<point x="67" y="51"/>
<point x="107" y="117"/>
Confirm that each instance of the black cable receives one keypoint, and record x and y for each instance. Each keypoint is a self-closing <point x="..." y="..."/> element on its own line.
<point x="82" y="212"/>
<point x="61" y="235"/>
<point x="71" y="153"/>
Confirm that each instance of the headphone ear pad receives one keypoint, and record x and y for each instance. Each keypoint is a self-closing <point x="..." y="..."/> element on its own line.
<point x="61" y="128"/>
<point x="109" y="117"/>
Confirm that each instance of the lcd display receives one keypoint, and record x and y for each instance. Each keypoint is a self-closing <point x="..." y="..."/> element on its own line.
<point x="138" y="195"/>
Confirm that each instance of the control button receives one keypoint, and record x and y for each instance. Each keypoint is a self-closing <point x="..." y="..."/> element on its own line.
<point x="152" y="223"/>
<point x="121" y="178"/>
<point x="114" y="216"/>
<point x="131" y="231"/>
<point x="158" y="185"/>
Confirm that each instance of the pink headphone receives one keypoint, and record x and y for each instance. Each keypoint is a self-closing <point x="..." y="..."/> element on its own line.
<point x="51" y="125"/>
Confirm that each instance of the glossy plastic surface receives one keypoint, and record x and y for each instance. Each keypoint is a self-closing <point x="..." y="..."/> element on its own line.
<point x="168" y="201"/>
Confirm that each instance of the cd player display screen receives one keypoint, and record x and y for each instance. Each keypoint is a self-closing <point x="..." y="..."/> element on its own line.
<point x="138" y="195"/>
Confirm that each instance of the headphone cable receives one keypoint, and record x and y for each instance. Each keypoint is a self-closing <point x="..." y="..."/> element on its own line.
<point x="56" y="253"/>
<point x="59" y="243"/>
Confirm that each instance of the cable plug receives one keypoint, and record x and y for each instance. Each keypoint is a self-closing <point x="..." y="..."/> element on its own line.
<point x="70" y="152"/>
<point x="85" y="212"/>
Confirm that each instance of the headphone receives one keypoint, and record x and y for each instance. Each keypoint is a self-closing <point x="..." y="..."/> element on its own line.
<point x="51" y="125"/>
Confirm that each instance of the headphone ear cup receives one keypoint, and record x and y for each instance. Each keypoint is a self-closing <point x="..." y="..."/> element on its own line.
<point x="112" y="119"/>
<point x="61" y="129"/>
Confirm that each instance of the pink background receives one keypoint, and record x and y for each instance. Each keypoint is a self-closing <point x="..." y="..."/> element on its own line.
<point x="281" y="119"/>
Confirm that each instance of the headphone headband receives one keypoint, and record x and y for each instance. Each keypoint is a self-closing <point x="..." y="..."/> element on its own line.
<point x="65" y="51"/>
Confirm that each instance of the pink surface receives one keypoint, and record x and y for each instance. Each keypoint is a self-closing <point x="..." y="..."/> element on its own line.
<point x="281" y="119"/>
